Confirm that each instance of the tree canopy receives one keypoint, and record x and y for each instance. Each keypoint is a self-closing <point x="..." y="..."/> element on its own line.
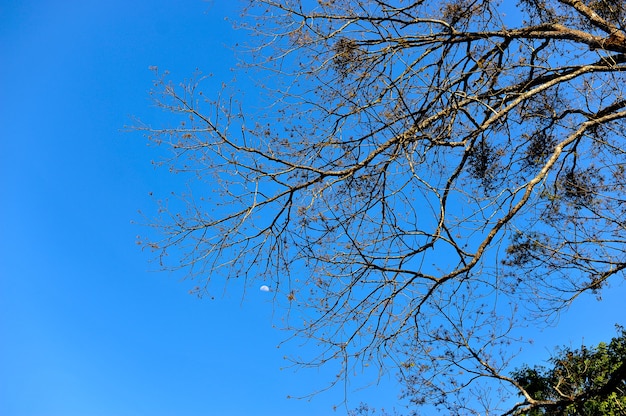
<point x="585" y="381"/>
<point x="417" y="179"/>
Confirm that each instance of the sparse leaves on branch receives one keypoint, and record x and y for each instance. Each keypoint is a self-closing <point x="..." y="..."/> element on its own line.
<point x="424" y="177"/>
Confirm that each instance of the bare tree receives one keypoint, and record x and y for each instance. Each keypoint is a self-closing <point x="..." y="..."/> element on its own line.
<point x="422" y="176"/>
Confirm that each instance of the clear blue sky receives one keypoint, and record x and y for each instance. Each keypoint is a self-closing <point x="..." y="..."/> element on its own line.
<point x="85" y="327"/>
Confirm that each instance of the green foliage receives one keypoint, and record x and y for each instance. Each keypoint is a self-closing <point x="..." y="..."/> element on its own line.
<point x="585" y="381"/>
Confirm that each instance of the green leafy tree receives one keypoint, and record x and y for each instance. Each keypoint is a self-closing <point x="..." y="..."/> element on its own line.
<point x="585" y="382"/>
<point x="414" y="181"/>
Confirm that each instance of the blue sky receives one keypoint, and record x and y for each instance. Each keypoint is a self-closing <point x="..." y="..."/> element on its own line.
<point x="87" y="326"/>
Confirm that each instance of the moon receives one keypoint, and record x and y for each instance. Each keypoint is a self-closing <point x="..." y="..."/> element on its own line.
<point x="265" y="288"/>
